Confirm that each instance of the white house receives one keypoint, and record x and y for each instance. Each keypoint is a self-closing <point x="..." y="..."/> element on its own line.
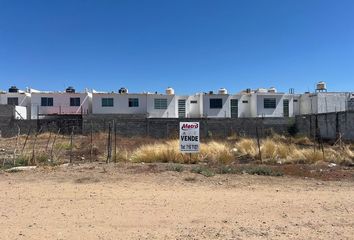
<point x="270" y="103"/>
<point x="60" y="103"/>
<point x="216" y="105"/>
<point x="190" y="106"/>
<point x="249" y="103"/>
<point x="246" y="104"/>
<point x="153" y="105"/>
<point x="18" y="98"/>
<point x="118" y="103"/>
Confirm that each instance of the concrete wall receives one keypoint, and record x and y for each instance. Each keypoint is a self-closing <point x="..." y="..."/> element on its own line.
<point x="6" y="116"/>
<point x="9" y="125"/>
<point x="323" y="102"/>
<point x="351" y="104"/>
<point x="332" y="102"/>
<point x="328" y="125"/>
<point x="308" y="103"/>
<point x="138" y="125"/>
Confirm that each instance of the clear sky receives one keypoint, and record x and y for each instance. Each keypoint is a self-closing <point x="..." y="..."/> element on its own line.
<point x="190" y="45"/>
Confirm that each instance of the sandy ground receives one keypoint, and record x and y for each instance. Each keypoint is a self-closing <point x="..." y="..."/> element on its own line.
<point x="96" y="202"/>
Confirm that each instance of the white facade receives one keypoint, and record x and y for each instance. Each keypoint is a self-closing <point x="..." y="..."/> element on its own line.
<point x="190" y="106"/>
<point x="322" y="102"/>
<point x="120" y="103"/>
<point x="246" y="104"/>
<point x="22" y="99"/>
<point x="216" y="105"/>
<point x="153" y="105"/>
<point x="281" y="109"/>
<point x="59" y="103"/>
<point x="170" y="111"/>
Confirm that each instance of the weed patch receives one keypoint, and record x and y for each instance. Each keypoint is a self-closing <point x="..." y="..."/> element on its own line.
<point x="175" y="168"/>
<point x="203" y="171"/>
<point x="261" y="170"/>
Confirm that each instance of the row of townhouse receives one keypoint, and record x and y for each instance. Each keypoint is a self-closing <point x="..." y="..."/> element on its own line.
<point x="32" y="104"/>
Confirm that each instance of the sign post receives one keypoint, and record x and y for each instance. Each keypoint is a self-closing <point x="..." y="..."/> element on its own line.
<point x="189" y="141"/>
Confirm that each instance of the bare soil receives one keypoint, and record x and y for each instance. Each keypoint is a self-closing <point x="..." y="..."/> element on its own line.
<point x="141" y="201"/>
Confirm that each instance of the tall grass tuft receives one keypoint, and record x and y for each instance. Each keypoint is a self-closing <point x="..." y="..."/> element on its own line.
<point x="212" y="152"/>
<point x="247" y="146"/>
<point x="216" y="152"/>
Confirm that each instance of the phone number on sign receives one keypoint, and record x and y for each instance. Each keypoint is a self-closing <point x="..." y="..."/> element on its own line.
<point x="189" y="146"/>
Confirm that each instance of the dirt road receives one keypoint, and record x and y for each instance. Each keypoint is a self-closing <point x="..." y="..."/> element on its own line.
<point x="93" y="202"/>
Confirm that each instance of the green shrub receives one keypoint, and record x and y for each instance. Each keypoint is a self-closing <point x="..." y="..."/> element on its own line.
<point x="175" y="167"/>
<point x="22" y="160"/>
<point x="261" y="170"/>
<point x="223" y="169"/>
<point x="203" y="171"/>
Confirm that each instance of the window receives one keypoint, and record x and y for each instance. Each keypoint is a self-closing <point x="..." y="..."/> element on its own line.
<point x="133" y="102"/>
<point x="215" y="103"/>
<point x="244" y="101"/>
<point x="160" y="103"/>
<point x="12" y="101"/>
<point x="74" y="102"/>
<point x="269" y="103"/>
<point x="194" y="102"/>
<point x="295" y="100"/>
<point x="46" y="102"/>
<point x="107" y="102"/>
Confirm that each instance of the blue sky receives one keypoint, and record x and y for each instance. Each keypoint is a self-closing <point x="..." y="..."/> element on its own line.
<point x="190" y="45"/>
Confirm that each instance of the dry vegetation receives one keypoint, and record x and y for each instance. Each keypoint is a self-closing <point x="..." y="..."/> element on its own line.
<point x="50" y="149"/>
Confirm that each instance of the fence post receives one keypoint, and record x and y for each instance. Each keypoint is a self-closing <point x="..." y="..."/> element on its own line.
<point x="71" y="144"/>
<point x="91" y="143"/>
<point x="115" y="141"/>
<point x="17" y="140"/>
<point x="24" y="144"/>
<point x="33" y="159"/>
<point x="46" y="147"/>
<point x="259" y="146"/>
<point x="109" y="146"/>
<point x="53" y="144"/>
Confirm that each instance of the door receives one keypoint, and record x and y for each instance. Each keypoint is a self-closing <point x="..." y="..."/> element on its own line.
<point x="181" y="108"/>
<point x="234" y="108"/>
<point x="286" y="107"/>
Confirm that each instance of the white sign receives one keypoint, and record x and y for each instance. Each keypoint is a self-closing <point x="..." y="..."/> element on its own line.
<point x="189" y="137"/>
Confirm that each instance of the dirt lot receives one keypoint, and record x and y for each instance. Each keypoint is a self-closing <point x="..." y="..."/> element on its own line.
<point x="139" y="202"/>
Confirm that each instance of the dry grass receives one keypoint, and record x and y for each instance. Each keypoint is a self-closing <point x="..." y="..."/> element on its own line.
<point x="216" y="152"/>
<point x="212" y="152"/>
<point x="276" y="149"/>
<point x="246" y="146"/>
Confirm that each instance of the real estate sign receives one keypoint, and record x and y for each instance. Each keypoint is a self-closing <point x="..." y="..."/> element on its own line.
<point x="189" y="137"/>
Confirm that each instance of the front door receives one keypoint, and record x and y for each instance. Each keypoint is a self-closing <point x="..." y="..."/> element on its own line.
<point x="181" y="108"/>
<point x="234" y="108"/>
<point x="286" y="107"/>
